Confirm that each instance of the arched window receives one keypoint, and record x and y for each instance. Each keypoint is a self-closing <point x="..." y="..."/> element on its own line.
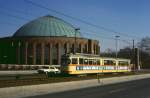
<point x="94" y="48"/>
<point x="97" y="49"/>
<point x="30" y="53"/>
<point x="54" y="54"/>
<point x="38" y="54"/>
<point x="22" y="53"/>
<point x="72" y="48"/>
<point x="65" y="48"/>
<point x="46" y="54"/>
<point x="79" y="50"/>
<point x="85" y="48"/>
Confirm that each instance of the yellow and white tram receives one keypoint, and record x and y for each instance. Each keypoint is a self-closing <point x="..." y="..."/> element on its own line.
<point x="88" y="64"/>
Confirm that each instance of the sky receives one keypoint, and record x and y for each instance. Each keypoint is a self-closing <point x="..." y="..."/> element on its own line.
<point x="128" y="17"/>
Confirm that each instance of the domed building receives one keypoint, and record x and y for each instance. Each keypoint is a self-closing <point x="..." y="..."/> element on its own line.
<point x="43" y="41"/>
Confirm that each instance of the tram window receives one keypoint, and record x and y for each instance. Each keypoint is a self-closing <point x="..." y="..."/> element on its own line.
<point x="85" y="61"/>
<point x="74" y="61"/>
<point x="113" y="62"/>
<point x="90" y="62"/>
<point x="109" y="62"/>
<point x="94" y="62"/>
<point x="105" y="62"/>
<point x="98" y="62"/>
<point x="80" y="60"/>
<point x="65" y="61"/>
<point x="123" y="63"/>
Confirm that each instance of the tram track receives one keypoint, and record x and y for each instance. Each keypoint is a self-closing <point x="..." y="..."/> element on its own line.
<point x="34" y="79"/>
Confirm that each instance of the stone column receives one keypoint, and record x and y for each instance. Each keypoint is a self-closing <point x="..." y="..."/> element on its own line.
<point x="67" y="47"/>
<point x="98" y="50"/>
<point x="42" y="53"/>
<point x="58" y="53"/>
<point x="81" y="48"/>
<point x="50" y="49"/>
<point x="26" y="53"/>
<point x="92" y="47"/>
<point x="34" y="54"/>
<point x="95" y="49"/>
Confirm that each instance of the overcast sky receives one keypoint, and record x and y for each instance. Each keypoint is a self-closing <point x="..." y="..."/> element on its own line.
<point x="129" y="17"/>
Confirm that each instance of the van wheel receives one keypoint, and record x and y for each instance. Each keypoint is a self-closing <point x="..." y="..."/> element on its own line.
<point x="46" y="72"/>
<point x="55" y="72"/>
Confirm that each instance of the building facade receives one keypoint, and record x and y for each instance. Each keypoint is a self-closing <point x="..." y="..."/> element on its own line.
<point x="43" y="41"/>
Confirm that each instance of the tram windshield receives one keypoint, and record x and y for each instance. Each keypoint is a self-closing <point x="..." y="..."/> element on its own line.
<point x="74" y="61"/>
<point x="65" y="60"/>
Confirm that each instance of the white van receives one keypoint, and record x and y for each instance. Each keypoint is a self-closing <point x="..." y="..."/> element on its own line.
<point x="49" y="69"/>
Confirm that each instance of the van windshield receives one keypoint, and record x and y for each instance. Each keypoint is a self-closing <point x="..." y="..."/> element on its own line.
<point x="45" y="67"/>
<point x="52" y="68"/>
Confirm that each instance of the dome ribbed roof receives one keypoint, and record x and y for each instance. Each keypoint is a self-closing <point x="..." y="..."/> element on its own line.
<point x="47" y="26"/>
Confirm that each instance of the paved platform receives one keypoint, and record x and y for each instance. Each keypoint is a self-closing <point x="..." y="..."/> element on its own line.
<point x="18" y="72"/>
<point x="25" y="91"/>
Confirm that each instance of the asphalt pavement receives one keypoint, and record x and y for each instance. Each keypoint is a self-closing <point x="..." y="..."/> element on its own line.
<point x="131" y="89"/>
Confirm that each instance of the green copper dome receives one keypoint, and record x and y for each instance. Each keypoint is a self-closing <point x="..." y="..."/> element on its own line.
<point x="47" y="26"/>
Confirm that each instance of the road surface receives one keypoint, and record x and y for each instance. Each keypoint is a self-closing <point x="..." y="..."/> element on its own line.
<point x="132" y="89"/>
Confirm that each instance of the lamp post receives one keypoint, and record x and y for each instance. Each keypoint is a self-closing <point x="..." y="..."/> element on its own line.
<point x="75" y="39"/>
<point x="116" y="45"/>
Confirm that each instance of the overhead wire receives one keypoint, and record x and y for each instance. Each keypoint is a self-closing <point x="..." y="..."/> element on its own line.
<point x="27" y="19"/>
<point x="7" y="23"/>
<point x="14" y="16"/>
<point x="18" y="11"/>
<point x="78" y="19"/>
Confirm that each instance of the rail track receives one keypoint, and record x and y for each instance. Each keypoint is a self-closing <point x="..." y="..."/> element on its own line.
<point x="33" y="79"/>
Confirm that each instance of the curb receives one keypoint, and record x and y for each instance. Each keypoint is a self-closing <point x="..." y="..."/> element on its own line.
<point x="33" y="90"/>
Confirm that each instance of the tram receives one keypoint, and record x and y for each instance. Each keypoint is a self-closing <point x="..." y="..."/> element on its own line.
<point x="88" y="64"/>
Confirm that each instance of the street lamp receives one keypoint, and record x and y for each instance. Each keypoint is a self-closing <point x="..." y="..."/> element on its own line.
<point x="75" y="39"/>
<point x="117" y="45"/>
